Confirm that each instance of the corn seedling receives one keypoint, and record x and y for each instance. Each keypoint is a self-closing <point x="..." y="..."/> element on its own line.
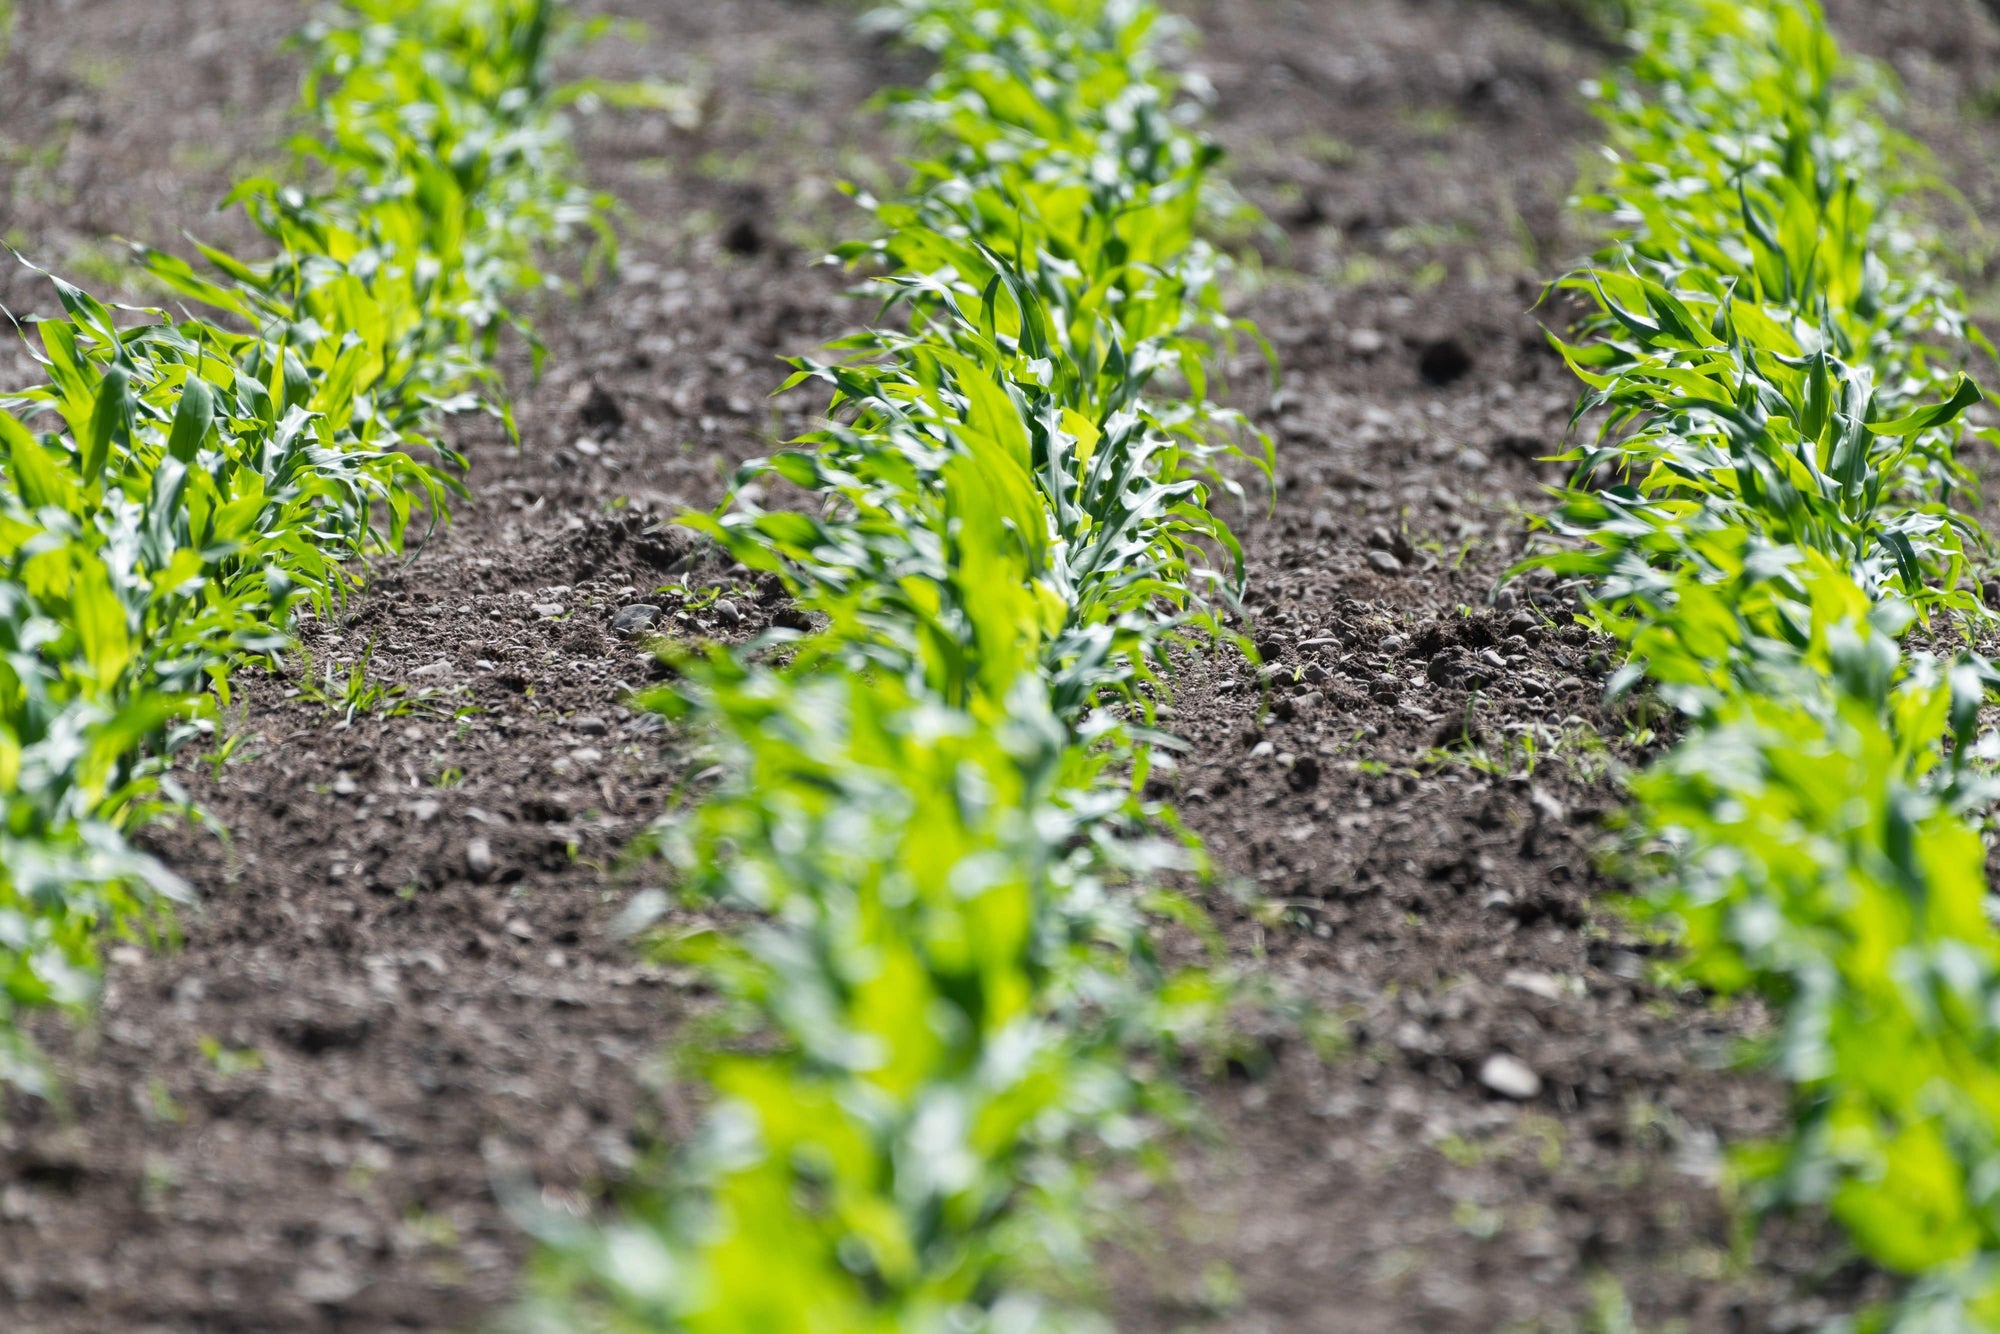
<point x="179" y="489"/>
<point x="1773" y="358"/>
<point x="933" y="809"/>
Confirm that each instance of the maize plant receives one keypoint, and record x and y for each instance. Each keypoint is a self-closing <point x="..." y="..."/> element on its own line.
<point x="1772" y="356"/>
<point x="1009" y="494"/>
<point x="179" y="490"/>
<point x="933" y="808"/>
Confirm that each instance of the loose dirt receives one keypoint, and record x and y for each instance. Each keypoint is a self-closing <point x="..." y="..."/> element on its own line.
<point x="403" y="1002"/>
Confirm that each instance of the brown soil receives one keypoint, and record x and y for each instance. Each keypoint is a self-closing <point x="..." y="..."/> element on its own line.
<point x="411" y="924"/>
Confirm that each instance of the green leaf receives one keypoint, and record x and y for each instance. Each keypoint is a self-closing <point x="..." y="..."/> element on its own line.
<point x="109" y="419"/>
<point x="193" y="416"/>
<point x="36" y="478"/>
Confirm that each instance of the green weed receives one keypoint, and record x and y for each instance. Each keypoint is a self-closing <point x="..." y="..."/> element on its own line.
<point x="352" y="694"/>
<point x="229" y="1061"/>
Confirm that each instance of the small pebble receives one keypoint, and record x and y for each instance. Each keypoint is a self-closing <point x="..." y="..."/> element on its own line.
<point x="1384" y="563"/>
<point x="327" y="1287"/>
<point x="1625" y="964"/>
<point x="548" y="610"/>
<point x="589" y="726"/>
<point x="1510" y="1078"/>
<point x="1297" y="706"/>
<point x="635" y="619"/>
<point x="1535" y="984"/>
<point x="479" y="857"/>
<point x="726" y="612"/>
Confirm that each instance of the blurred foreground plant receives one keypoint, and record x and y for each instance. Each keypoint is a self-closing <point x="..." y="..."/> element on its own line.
<point x="1773" y="360"/>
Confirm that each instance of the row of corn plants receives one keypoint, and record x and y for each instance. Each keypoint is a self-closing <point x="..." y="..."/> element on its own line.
<point x="1767" y="520"/>
<point x="181" y="489"/>
<point x="947" y="996"/>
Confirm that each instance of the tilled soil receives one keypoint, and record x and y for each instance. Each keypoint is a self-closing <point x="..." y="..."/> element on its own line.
<point x="403" y="1000"/>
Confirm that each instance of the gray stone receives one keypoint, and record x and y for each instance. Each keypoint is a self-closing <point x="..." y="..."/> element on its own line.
<point x="635" y="619"/>
<point x="1303" y="705"/>
<point x="1510" y="1077"/>
<point x="328" y="1287"/>
<point x="1384" y="563"/>
<point x="479" y="857"/>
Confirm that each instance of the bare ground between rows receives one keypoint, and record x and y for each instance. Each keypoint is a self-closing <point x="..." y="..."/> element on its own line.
<point x="411" y="922"/>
